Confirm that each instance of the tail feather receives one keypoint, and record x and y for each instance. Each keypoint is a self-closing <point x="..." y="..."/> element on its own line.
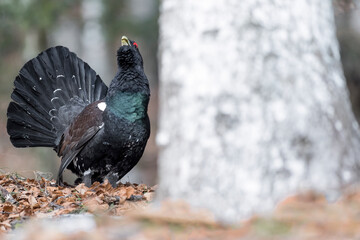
<point x="49" y="92"/>
<point x="25" y="127"/>
<point x="28" y="118"/>
<point x="25" y="137"/>
<point x="21" y="94"/>
<point x="98" y="90"/>
<point x="27" y="112"/>
<point x="82" y="70"/>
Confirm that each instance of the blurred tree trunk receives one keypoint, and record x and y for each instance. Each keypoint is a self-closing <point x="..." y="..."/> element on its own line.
<point x="348" y="33"/>
<point x="253" y="104"/>
<point x="42" y="39"/>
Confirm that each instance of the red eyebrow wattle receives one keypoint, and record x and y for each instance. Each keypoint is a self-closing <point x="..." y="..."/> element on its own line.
<point x="135" y="44"/>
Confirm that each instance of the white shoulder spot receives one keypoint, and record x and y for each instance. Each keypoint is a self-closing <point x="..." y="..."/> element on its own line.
<point x="87" y="172"/>
<point x="101" y="106"/>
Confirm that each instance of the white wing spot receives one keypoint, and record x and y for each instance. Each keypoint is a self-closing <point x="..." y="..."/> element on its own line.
<point x="60" y="76"/>
<point x="108" y="167"/>
<point x="87" y="172"/>
<point x="58" y="89"/>
<point x="101" y="106"/>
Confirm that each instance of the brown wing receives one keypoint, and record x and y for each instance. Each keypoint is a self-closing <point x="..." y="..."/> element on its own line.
<point x="81" y="130"/>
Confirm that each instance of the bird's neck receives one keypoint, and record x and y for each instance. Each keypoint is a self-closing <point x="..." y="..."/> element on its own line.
<point x="129" y="80"/>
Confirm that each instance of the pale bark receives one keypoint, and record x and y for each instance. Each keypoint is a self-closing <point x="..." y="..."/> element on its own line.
<point x="253" y="105"/>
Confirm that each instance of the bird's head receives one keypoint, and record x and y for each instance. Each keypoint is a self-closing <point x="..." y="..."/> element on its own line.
<point x="128" y="55"/>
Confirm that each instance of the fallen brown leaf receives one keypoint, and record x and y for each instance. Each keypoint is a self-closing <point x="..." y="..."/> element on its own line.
<point x="81" y="188"/>
<point x="42" y="198"/>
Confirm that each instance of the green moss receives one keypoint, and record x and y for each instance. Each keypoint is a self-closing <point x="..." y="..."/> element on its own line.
<point x="18" y="225"/>
<point x="271" y="227"/>
<point x="81" y="209"/>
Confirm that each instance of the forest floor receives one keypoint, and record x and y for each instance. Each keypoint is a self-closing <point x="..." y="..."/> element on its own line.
<point x="28" y="206"/>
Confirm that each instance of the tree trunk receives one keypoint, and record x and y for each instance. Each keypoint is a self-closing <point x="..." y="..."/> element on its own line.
<point x="253" y="105"/>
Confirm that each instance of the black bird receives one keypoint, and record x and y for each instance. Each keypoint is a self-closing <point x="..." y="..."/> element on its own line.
<point x="60" y="102"/>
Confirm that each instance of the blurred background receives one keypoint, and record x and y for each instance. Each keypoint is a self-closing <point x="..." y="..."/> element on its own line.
<point x="93" y="29"/>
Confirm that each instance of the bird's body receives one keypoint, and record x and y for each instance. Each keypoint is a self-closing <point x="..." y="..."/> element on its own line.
<point x="100" y="133"/>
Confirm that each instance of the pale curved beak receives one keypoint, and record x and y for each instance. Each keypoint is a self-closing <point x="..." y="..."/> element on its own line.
<point x="125" y="41"/>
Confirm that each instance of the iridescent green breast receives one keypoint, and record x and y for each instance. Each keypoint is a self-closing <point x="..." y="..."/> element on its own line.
<point x="130" y="106"/>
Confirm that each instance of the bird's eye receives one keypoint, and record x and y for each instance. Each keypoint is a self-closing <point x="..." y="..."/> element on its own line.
<point x="135" y="44"/>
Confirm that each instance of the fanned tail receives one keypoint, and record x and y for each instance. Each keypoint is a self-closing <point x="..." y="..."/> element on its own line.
<point x="49" y="92"/>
